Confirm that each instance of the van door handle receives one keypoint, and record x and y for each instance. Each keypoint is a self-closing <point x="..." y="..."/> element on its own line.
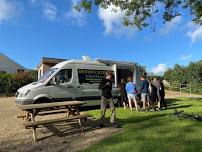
<point x="69" y="86"/>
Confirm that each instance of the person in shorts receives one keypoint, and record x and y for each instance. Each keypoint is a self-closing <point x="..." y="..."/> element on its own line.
<point x="131" y="93"/>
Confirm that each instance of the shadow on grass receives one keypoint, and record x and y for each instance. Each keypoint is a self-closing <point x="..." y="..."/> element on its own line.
<point x="172" y="100"/>
<point x="180" y="106"/>
<point x="72" y="128"/>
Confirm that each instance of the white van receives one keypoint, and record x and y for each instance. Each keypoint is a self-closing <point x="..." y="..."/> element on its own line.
<point x="75" y="79"/>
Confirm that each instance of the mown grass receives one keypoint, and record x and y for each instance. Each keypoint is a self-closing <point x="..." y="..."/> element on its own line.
<point x="155" y="131"/>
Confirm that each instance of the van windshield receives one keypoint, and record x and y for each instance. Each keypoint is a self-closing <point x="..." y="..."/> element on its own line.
<point x="46" y="75"/>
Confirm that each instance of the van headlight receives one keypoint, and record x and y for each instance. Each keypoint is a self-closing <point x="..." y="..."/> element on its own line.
<point x="24" y="93"/>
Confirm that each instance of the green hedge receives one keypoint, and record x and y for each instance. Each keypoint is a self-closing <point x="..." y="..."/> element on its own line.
<point x="10" y="83"/>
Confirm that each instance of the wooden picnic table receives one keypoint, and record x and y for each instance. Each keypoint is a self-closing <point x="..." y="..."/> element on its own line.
<point x="71" y="109"/>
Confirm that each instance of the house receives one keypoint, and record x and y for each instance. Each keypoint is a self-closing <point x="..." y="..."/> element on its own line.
<point x="7" y="65"/>
<point x="46" y="63"/>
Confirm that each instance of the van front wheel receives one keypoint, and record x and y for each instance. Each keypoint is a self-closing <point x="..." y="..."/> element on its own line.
<point x="42" y="100"/>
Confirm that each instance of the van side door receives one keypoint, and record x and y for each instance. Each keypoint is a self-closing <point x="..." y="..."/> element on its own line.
<point x="88" y="80"/>
<point x="64" y="89"/>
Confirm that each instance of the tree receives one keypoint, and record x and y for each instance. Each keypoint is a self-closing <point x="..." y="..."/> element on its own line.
<point x="140" y="13"/>
<point x="191" y="74"/>
<point x="167" y="75"/>
<point x="178" y="74"/>
<point x="194" y="72"/>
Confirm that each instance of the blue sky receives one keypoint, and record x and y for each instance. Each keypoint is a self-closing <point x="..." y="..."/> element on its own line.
<point x="31" y="29"/>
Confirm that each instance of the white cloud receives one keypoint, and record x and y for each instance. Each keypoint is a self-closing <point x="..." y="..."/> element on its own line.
<point x="186" y="57"/>
<point x="50" y="11"/>
<point x="8" y="10"/>
<point x="159" y="69"/>
<point x="74" y="16"/>
<point x="170" y="26"/>
<point x="194" y="32"/>
<point x="112" y="20"/>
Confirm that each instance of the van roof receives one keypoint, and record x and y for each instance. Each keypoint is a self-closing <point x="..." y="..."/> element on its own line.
<point x="94" y="62"/>
<point x="61" y="64"/>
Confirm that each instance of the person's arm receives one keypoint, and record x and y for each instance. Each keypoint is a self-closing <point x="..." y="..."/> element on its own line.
<point x="135" y="89"/>
<point x="163" y="89"/>
<point x="158" y="91"/>
<point x="142" y="86"/>
<point x="126" y="88"/>
<point x="102" y="85"/>
<point x="109" y="84"/>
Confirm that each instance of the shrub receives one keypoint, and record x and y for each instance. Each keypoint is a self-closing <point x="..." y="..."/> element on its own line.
<point x="5" y="83"/>
<point x="10" y="83"/>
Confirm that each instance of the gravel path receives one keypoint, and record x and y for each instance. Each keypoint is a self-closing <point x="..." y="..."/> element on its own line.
<point x="57" y="137"/>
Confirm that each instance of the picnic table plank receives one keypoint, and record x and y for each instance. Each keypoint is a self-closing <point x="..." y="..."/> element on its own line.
<point x="23" y="115"/>
<point x="42" y="122"/>
<point x="49" y="105"/>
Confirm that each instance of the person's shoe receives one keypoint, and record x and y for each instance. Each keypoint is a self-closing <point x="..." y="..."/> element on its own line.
<point x="115" y="125"/>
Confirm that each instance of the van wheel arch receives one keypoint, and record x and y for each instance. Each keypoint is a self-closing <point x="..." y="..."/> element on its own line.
<point x="42" y="100"/>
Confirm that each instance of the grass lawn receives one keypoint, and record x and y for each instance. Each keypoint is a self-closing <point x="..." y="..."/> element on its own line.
<point x="155" y="131"/>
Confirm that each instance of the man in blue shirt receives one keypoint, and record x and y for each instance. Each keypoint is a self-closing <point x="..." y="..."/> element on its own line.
<point x="131" y="93"/>
<point x="144" y="91"/>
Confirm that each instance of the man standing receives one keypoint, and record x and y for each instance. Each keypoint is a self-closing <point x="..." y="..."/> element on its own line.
<point x="106" y="87"/>
<point x="131" y="93"/>
<point x="123" y="95"/>
<point x="156" y="83"/>
<point x="162" y="94"/>
<point x="152" y="98"/>
<point x="144" y="91"/>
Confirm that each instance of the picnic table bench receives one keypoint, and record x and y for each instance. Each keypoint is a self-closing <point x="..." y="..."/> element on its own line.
<point x="71" y="108"/>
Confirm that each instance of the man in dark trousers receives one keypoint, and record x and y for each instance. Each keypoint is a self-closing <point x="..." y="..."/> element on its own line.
<point x="152" y="96"/>
<point x="156" y="83"/>
<point x="122" y="100"/>
<point x="144" y="90"/>
<point x="106" y="87"/>
<point x="162" y="94"/>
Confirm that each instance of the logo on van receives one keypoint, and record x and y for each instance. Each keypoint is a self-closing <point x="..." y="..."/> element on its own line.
<point x="91" y="76"/>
